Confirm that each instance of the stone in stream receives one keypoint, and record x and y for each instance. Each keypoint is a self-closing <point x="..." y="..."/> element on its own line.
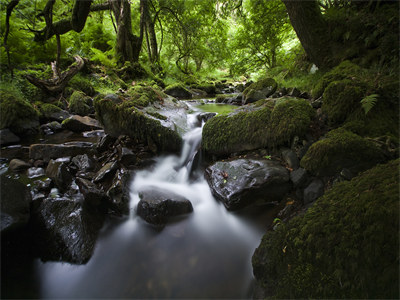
<point x="93" y="195"/>
<point x="243" y="182"/>
<point x="83" y="162"/>
<point x="7" y="137"/>
<point x="156" y="206"/>
<point x="59" y="173"/>
<point x="79" y="124"/>
<point x="18" y="165"/>
<point x="65" y="230"/>
<point x="46" y="152"/>
<point x="15" y="200"/>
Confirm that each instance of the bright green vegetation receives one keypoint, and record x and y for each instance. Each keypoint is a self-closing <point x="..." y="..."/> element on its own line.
<point x="345" y="246"/>
<point x="142" y="95"/>
<point x="260" y="90"/>
<point x="79" y="103"/>
<point x="15" y="112"/>
<point x="341" y="149"/>
<point x="46" y="110"/>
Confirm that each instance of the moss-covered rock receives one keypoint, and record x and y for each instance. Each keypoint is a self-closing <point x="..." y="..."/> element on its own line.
<point x="79" y="103"/>
<point x="341" y="149"/>
<point x="223" y="135"/>
<point x="341" y="99"/>
<point x="259" y="90"/>
<point x="291" y="117"/>
<point x="142" y="96"/>
<point x="16" y="113"/>
<point x="47" y="109"/>
<point x="209" y="88"/>
<point x="345" y="246"/>
<point x="125" y="119"/>
<point x="345" y="70"/>
<point x="178" y="90"/>
<point x="82" y="84"/>
<point x="258" y="126"/>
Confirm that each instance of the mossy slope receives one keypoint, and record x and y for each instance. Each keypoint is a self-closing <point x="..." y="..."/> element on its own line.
<point x="345" y="246"/>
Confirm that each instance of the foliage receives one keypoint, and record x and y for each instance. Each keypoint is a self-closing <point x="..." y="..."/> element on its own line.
<point x="344" y="246"/>
<point x="368" y="102"/>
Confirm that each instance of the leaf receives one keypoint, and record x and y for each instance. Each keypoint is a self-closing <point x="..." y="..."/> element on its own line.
<point x="267" y="156"/>
<point x="369" y="102"/>
<point x="225" y="181"/>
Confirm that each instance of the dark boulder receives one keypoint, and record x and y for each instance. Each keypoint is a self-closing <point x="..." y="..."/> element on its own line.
<point x="59" y="173"/>
<point x="118" y="193"/>
<point x="79" y="124"/>
<point x="298" y="177"/>
<point x="243" y="182"/>
<point x="46" y="152"/>
<point x="83" y="162"/>
<point x="108" y="170"/>
<point x="65" y="230"/>
<point x="93" y="195"/>
<point x="313" y="191"/>
<point x="178" y="91"/>
<point x="156" y="206"/>
<point x="259" y="90"/>
<point x="15" y="200"/>
<point x="7" y="137"/>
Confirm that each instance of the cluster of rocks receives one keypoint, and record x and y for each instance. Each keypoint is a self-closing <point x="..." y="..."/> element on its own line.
<point x="72" y="187"/>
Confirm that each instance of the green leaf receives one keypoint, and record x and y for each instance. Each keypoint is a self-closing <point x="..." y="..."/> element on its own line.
<point x="369" y="102"/>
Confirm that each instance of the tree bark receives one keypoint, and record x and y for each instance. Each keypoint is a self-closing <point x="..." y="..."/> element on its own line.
<point x="10" y="7"/>
<point x="312" y="31"/>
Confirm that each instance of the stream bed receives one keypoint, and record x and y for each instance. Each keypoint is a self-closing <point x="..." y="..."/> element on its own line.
<point x="205" y="254"/>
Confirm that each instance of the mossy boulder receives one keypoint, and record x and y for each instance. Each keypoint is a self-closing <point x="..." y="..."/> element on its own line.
<point x="125" y="119"/>
<point x="178" y="90"/>
<point x="17" y="114"/>
<point x="345" y="246"/>
<point x="209" y="88"/>
<point x="82" y="84"/>
<point x="243" y="131"/>
<point x="142" y="96"/>
<point x="290" y="117"/>
<point x="345" y="70"/>
<point x="258" y="126"/>
<point x="259" y="90"/>
<point x="80" y="104"/>
<point x="341" y="99"/>
<point x="341" y="149"/>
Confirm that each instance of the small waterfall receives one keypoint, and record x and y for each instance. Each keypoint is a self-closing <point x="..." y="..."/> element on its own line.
<point x="172" y="173"/>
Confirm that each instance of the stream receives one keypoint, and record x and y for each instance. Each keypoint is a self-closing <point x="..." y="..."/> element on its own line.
<point x="205" y="254"/>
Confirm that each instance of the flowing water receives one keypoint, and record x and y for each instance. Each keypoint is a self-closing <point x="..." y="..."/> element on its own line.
<point x="206" y="254"/>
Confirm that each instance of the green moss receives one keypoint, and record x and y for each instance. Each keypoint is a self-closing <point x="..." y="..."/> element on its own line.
<point x="261" y="84"/>
<point x="341" y="99"/>
<point x="47" y="109"/>
<point x="290" y="117"/>
<point x="341" y="149"/>
<point x="79" y="103"/>
<point x="15" y="112"/>
<point x="82" y="84"/>
<point x="125" y="118"/>
<point x="142" y="96"/>
<point x="221" y="97"/>
<point x="345" y="70"/>
<point x="237" y="132"/>
<point x="175" y="86"/>
<point x="209" y="88"/>
<point x="345" y="246"/>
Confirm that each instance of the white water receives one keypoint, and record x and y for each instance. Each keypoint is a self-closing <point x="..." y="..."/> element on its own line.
<point x="206" y="254"/>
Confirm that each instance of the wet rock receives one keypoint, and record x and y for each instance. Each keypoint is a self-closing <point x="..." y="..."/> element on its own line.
<point x="15" y="151"/>
<point x="50" y="128"/>
<point x="291" y="159"/>
<point x="243" y="182"/>
<point x="156" y="206"/>
<point x="83" y="162"/>
<point x="7" y="137"/>
<point x="108" y="170"/>
<point x="126" y="156"/>
<point x="298" y="177"/>
<point x="119" y="192"/>
<point x="35" y="172"/>
<point x="204" y="117"/>
<point x="15" y="199"/>
<point x="93" y="195"/>
<point x="18" y="165"/>
<point x="114" y="98"/>
<point x="43" y="185"/>
<point x="59" y="116"/>
<point x="313" y="191"/>
<point x="46" y="152"/>
<point x="65" y="230"/>
<point x="59" y="173"/>
<point x="79" y="124"/>
<point x="105" y="143"/>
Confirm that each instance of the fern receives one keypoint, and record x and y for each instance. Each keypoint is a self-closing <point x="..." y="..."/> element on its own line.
<point x="102" y="58"/>
<point x="369" y="102"/>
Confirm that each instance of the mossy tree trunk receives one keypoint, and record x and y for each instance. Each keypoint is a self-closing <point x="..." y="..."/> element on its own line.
<point x="312" y="30"/>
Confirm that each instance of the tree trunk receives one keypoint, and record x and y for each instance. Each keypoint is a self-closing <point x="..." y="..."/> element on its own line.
<point x="312" y="30"/>
<point x="128" y="46"/>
